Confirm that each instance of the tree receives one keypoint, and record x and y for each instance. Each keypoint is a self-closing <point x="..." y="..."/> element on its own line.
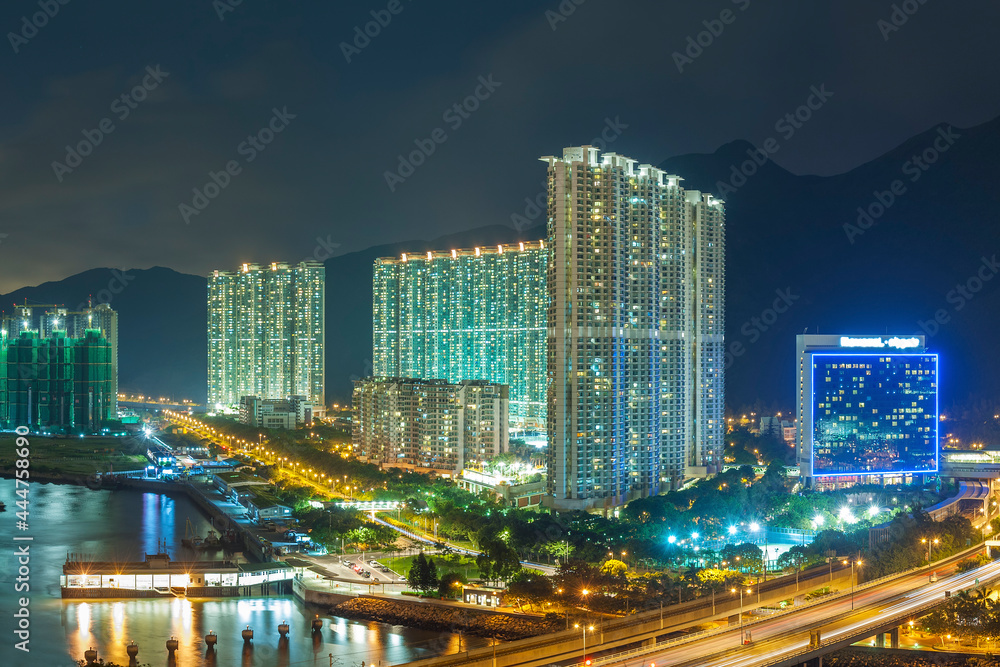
<point x="748" y="557"/>
<point x="431" y="580"/>
<point x="714" y="579"/>
<point x="450" y="585"/>
<point x="563" y="550"/>
<point x="423" y="574"/>
<point x="615" y="569"/>
<point x="413" y="577"/>
<point x="530" y="587"/>
<point x="497" y="562"/>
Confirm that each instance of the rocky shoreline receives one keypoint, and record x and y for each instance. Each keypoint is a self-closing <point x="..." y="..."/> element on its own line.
<point x="426" y="616"/>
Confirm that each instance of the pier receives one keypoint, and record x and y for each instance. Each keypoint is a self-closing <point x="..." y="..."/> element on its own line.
<point x="157" y="575"/>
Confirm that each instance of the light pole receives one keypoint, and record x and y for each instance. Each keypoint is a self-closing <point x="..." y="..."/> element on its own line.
<point x="584" y="629"/>
<point x="929" y="543"/>
<point x="741" y="611"/>
<point x="858" y="562"/>
<point x="754" y="527"/>
<point x="560" y="592"/>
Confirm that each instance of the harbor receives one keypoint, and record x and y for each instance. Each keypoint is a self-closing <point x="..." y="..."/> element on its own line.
<point x="122" y="526"/>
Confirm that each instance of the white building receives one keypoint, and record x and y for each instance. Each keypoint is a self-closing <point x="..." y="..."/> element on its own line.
<point x="636" y="286"/>
<point x="270" y="413"/>
<point x="432" y="424"/>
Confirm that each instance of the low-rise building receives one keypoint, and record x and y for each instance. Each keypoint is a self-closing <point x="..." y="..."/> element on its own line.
<point x="483" y="596"/>
<point x="271" y="413"/>
<point x="517" y="491"/>
<point x="430" y="424"/>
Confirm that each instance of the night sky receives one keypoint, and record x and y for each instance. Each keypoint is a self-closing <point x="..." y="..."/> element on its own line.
<point x="555" y="79"/>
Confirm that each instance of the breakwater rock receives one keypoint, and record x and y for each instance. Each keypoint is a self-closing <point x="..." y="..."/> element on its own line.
<point x="442" y="618"/>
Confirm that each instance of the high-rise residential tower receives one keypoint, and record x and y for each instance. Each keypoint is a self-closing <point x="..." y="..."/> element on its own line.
<point x="636" y="286"/>
<point x="57" y="382"/>
<point x="46" y="320"/>
<point x="265" y="333"/>
<point x="476" y="314"/>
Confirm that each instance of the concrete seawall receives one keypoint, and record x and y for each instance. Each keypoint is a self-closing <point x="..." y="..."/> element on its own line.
<point x="315" y="595"/>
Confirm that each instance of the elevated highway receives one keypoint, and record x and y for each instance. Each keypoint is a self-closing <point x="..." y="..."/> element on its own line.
<point x="784" y="638"/>
<point x="790" y="639"/>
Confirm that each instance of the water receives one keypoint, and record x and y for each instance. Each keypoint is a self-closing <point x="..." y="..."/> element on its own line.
<point x="122" y="526"/>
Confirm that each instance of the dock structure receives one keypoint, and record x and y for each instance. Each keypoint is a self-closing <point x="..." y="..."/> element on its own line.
<point x="157" y="575"/>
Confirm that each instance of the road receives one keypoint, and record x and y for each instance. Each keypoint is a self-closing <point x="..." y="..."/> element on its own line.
<point x="787" y="635"/>
<point x="424" y="539"/>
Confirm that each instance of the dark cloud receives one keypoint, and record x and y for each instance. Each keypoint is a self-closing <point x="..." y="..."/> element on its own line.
<point x="324" y="174"/>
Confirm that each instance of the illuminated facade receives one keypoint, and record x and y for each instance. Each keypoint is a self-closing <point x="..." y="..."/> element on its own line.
<point x="46" y="320"/>
<point x="636" y="285"/>
<point x="57" y="383"/>
<point x="475" y="314"/>
<point x="868" y="408"/>
<point x="434" y="424"/>
<point x="265" y="333"/>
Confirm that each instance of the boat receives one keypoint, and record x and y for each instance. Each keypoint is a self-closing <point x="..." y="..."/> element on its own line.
<point x="211" y="542"/>
<point x="3" y="508"/>
<point x="191" y="539"/>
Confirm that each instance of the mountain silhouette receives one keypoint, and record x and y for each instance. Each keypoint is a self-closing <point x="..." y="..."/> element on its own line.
<point x="927" y="248"/>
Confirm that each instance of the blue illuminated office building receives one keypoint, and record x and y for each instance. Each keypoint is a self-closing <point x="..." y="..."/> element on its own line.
<point x="867" y="409"/>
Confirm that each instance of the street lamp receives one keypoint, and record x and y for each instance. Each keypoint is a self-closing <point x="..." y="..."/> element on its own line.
<point x="560" y="592"/>
<point x="584" y="629"/>
<point x="741" y="610"/>
<point x="929" y="543"/>
<point x="858" y="562"/>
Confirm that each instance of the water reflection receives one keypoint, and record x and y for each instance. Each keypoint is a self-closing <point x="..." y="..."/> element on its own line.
<point x="121" y="526"/>
<point x="151" y="622"/>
